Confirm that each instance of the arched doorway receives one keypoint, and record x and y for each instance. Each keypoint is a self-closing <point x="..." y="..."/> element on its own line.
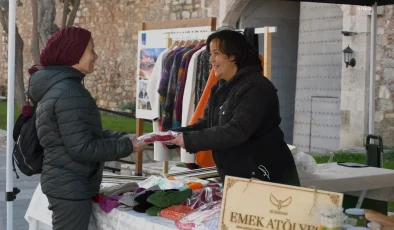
<point x="306" y="65"/>
<point x="285" y="16"/>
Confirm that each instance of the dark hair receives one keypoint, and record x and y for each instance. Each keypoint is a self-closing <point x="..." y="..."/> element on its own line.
<point x="233" y="43"/>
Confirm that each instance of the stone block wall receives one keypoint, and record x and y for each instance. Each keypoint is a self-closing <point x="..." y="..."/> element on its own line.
<point x="114" y="25"/>
<point x="384" y="85"/>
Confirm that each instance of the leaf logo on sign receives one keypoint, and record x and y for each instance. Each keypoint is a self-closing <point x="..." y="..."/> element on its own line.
<point x="279" y="203"/>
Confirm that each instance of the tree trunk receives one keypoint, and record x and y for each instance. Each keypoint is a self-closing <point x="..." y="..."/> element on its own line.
<point x="73" y="13"/>
<point x="19" y="86"/>
<point x="65" y="13"/>
<point x="35" y="47"/>
<point x="46" y="20"/>
<point x="19" y="70"/>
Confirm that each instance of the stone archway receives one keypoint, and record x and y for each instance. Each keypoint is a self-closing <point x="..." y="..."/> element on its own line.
<point x="230" y="11"/>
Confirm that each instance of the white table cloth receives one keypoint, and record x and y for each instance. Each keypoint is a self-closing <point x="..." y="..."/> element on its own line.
<point x="331" y="177"/>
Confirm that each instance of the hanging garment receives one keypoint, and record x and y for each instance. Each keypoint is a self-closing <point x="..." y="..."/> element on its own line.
<point x="204" y="158"/>
<point x="163" y="86"/>
<point x="181" y="71"/>
<point x="153" y="83"/>
<point x="188" y="105"/>
<point x="170" y="96"/>
<point x="252" y="38"/>
<point x="161" y="153"/>
<point x="203" y="69"/>
<point x="181" y="86"/>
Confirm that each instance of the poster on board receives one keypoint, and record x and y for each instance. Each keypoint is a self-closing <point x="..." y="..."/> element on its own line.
<point x="151" y="43"/>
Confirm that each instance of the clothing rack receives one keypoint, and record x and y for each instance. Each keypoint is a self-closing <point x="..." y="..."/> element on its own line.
<point x="267" y="31"/>
<point x="199" y="22"/>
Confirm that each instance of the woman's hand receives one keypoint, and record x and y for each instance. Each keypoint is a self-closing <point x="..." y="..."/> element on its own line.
<point x="138" y="146"/>
<point x="178" y="141"/>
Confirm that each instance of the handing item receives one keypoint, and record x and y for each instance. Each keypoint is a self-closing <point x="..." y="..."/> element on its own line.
<point x="164" y="137"/>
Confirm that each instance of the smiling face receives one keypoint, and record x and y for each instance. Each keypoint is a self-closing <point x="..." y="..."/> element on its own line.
<point x="223" y="65"/>
<point x="88" y="59"/>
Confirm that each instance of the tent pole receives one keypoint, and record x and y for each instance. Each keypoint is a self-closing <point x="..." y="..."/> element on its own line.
<point x="371" y="122"/>
<point x="10" y="109"/>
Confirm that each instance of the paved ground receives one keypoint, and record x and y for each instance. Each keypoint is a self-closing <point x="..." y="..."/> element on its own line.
<point x="27" y="185"/>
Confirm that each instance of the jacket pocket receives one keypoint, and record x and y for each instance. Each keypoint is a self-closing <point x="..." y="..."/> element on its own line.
<point x="225" y="114"/>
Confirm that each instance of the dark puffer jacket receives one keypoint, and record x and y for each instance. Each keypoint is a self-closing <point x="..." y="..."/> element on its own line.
<point x="70" y="131"/>
<point x="241" y="127"/>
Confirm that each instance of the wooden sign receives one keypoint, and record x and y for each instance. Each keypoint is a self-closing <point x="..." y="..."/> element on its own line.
<point x="257" y="205"/>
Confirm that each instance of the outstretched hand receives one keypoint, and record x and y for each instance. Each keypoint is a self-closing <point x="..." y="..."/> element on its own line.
<point x="178" y="141"/>
<point x="138" y="146"/>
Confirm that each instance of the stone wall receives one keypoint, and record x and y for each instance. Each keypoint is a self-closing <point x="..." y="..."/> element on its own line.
<point x="384" y="85"/>
<point x="114" y="25"/>
<point x="355" y="81"/>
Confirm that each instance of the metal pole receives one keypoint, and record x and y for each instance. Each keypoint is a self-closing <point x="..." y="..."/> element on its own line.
<point x="10" y="107"/>
<point x="371" y="122"/>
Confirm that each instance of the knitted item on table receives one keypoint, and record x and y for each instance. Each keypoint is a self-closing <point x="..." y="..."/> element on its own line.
<point x="142" y="208"/>
<point x="175" y="212"/>
<point x="153" y="211"/>
<point x="194" y="185"/>
<point x="138" y="190"/>
<point x="128" y="200"/>
<point x="164" y="199"/>
<point x="143" y="197"/>
<point x="119" y="189"/>
<point x="109" y="203"/>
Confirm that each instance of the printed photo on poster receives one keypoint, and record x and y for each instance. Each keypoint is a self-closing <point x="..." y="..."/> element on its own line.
<point x="148" y="57"/>
<point x="143" y="99"/>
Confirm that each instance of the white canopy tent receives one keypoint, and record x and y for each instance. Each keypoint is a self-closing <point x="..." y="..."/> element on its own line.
<point x="10" y="111"/>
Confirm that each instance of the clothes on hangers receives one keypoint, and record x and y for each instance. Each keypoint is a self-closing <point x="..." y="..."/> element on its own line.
<point x="161" y="153"/>
<point x="182" y="67"/>
<point x="182" y="82"/>
<point x="163" y="89"/>
<point x="167" y="120"/>
<point x="188" y="106"/>
<point x="203" y="69"/>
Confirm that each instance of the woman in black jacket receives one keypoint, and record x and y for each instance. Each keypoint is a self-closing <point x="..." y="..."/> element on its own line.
<point x="241" y="121"/>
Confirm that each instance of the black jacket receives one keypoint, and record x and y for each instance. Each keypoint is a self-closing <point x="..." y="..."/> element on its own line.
<point x="69" y="129"/>
<point x="241" y="127"/>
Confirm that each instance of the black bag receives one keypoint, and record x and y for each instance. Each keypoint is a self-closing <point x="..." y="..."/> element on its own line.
<point x="28" y="154"/>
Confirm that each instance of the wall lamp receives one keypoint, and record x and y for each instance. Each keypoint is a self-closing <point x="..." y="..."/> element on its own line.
<point x="348" y="56"/>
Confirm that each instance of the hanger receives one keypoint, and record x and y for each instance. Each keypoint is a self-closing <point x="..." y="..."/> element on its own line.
<point x="188" y="43"/>
<point x="196" y="42"/>
<point x="174" y="44"/>
<point x="202" y="41"/>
